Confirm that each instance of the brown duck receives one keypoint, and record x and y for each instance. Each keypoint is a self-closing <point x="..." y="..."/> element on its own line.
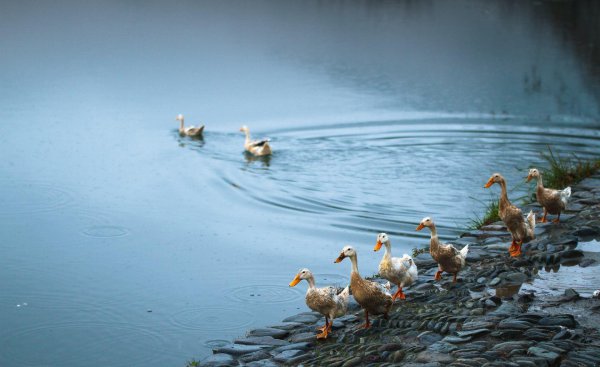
<point x="373" y="297"/>
<point x="553" y="201"/>
<point x="449" y="259"/>
<point x="328" y="301"/>
<point x="521" y="230"/>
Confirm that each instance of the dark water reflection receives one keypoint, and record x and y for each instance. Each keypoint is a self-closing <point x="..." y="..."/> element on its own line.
<point x="119" y="235"/>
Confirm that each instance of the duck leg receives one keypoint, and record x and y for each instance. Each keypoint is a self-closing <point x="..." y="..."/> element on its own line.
<point x="367" y="323"/>
<point x="324" y="326"/>
<point x="557" y="220"/>
<point x="324" y="330"/>
<point x="399" y="294"/>
<point x="544" y="220"/>
<point x="515" y="248"/>
<point x="454" y="279"/>
<point x="438" y="275"/>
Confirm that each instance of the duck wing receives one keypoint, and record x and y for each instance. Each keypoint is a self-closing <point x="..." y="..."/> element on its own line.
<point x="259" y="143"/>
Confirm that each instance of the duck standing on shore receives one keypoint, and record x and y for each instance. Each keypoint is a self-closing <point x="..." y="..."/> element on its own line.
<point x="401" y="271"/>
<point x="330" y="302"/>
<point x="256" y="147"/>
<point x="553" y="201"/>
<point x="191" y="131"/>
<point x="449" y="259"/>
<point x="373" y="297"/>
<point x="521" y="230"/>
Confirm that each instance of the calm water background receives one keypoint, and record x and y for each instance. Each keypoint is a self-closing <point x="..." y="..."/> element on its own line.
<point x="380" y="113"/>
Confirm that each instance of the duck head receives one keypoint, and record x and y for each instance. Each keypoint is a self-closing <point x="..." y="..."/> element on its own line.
<point x="382" y="238"/>
<point x="347" y="251"/>
<point x="496" y="178"/>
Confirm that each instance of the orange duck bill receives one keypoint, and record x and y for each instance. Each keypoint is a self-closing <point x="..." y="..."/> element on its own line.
<point x="489" y="183"/>
<point x="340" y="258"/>
<point x="420" y="227"/>
<point x="295" y="281"/>
<point x="377" y="246"/>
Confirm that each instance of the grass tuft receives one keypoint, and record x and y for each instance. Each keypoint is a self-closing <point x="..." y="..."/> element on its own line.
<point x="566" y="170"/>
<point x="418" y="251"/>
<point x="489" y="216"/>
<point x="192" y="363"/>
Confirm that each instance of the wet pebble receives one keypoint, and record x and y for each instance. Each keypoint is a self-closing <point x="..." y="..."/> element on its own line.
<point x="272" y="332"/>
<point x="218" y="360"/>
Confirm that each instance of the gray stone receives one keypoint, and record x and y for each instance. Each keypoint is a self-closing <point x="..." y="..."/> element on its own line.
<point x="272" y="332"/>
<point x="456" y="339"/>
<point x="549" y="356"/>
<point x="287" y="326"/>
<point x="514" y="324"/>
<point x="475" y="332"/>
<point x="427" y="357"/>
<point x="303" y="337"/>
<point x="473" y="325"/>
<point x="495" y="281"/>
<point x="262" y="363"/>
<point x="442" y="347"/>
<point x="559" y="320"/>
<point x="261" y="340"/>
<point x="429" y="337"/>
<point x="218" y="360"/>
<point x="303" y="318"/>
<point x="239" y="349"/>
<point x="288" y="356"/>
<point x="298" y="346"/>
<point x="256" y="356"/>
<point x="508" y="346"/>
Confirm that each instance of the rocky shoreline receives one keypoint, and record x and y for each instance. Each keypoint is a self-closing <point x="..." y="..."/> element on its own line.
<point x="485" y="319"/>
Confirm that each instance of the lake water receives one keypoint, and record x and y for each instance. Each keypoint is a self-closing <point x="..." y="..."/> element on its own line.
<point x="123" y="244"/>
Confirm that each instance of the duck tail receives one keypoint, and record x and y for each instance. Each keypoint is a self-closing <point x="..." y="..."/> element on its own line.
<point x="565" y="195"/>
<point x="464" y="251"/>
<point x="344" y="294"/>
<point x="531" y="223"/>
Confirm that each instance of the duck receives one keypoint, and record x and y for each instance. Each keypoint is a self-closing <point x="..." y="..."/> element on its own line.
<point x="191" y="131"/>
<point x="521" y="230"/>
<point x="449" y="259"/>
<point x="401" y="271"/>
<point x="330" y="302"/>
<point x="553" y="201"/>
<point x="256" y="147"/>
<point x="373" y="297"/>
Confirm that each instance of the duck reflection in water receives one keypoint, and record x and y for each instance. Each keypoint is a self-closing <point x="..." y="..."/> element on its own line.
<point x="251" y="158"/>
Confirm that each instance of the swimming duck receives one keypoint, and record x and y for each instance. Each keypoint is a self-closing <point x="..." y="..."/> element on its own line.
<point x="520" y="229"/>
<point x="401" y="271"/>
<point x="330" y="302"/>
<point x="373" y="297"/>
<point x="194" y="132"/>
<point x="553" y="201"/>
<point x="449" y="259"/>
<point x="256" y="147"/>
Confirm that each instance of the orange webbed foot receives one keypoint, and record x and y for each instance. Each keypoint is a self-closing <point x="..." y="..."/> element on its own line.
<point x="438" y="275"/>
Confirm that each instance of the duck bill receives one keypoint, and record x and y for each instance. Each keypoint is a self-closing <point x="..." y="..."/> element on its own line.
<point x="420" y="227"/>
<point x="529" y="177"/>
<point x="295" y="281"/>
<point x="377" y="246"/>
<point x="340" y="258"/>
<point x="489" y="183"/>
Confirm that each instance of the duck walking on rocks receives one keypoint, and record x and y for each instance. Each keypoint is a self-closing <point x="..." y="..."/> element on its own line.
<point x="521" y="230"/>
<point x="553" y="201"/>
<point x="373" y="297"/>
<point x="330" y="302"/>
<point x="449" y="259"/>
<point x="256" y="147"/>
<point x="191" y="131"/>
<point x="401" y="271"/>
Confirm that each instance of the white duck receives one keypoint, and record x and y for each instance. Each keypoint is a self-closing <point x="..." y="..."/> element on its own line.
<point x="328" y="301"/>
<point x="449" y="259"/>
<point x="256" y="147"/>
<point x="192" y="131"/>
<point x="401" y="271"/>
<point x="373" y="297"/>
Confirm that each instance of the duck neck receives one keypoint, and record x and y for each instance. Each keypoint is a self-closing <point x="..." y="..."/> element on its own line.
<point x="354" y="261"/>
<point x="433" y="243"/>
<point x="503" y="202"/>
<point x="540" y="182"/>
<point x="181" y="125"/>
<point x="388" y="250"/>
<point x="311" y="283"/>
<point x="247" y="136"/>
